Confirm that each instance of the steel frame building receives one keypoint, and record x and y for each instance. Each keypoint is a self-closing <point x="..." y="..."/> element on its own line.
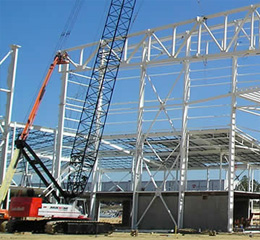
<point x="187" y="99"/>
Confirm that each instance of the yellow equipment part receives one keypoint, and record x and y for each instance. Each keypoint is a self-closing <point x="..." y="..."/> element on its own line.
<point x="9" y="175"/>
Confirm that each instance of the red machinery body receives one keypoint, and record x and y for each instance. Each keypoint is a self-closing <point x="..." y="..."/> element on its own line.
<point x="4" y="215"/>
<point x="25" y="207"/>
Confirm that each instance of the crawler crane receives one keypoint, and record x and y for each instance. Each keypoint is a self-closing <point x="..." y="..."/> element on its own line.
<point x="86" y="143"/>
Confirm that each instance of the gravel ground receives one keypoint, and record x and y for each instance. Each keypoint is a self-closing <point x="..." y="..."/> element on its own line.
<point x="127" y="236"/>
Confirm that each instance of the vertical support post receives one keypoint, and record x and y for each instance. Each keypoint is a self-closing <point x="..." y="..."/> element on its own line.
<point x="250" y="208"/>
<point x="81" y="56"/>
<point x="252" y="180"/>
<point x="173" y="41"/>
<point x="54" y="151"/>
<point x="225" y="33"/>
<point x="208" y="180"/>
<point x="199" y="38"/>
<point x="252" y="45"/>
<point x="8" y="197"/>
<point x="13" y="140"/>
<point x="93" y="213"/>
<point x="184" y="138"/>
<point x="176" y="179"/>
<point x="249" y="178"/>
<point x="9" y="104"/>
<point x="94" y="184"/>
<point x="232" y="135"/>
<point x="164" y="181"/>
<point x="183" y="148"/>
<point x="149" y="47"/>
<point x="220" y="171"/>
<point x="99" y="187"/>
<point x="138" y="159"/>
<point x="62" y="105"/>
<point x="125" y="50"/>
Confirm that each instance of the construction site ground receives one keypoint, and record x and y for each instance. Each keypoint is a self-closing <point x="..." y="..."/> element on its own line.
<point x="127" y="236"/>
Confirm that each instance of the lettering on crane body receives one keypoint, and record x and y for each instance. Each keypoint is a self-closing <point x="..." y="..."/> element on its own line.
<point x="60" y="211"/>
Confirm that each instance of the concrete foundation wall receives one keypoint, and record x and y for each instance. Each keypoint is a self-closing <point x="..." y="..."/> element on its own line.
<point x="157" y="216"/>
<point x="202" y="211"/>
<point x="206" y="211"/>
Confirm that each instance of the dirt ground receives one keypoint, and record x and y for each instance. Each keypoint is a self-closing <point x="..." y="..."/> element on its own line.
<point x="127" y="236"/>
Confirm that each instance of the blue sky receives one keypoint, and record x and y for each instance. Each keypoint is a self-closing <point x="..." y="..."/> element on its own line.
<point x="36" y="26"/>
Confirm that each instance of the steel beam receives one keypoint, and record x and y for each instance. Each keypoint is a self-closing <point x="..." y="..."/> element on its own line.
<point x="9" y="105"/>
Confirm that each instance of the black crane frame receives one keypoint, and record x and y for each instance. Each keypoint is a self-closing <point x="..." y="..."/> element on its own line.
<point x="99" y="94"/>
<point x="42" y="171"/>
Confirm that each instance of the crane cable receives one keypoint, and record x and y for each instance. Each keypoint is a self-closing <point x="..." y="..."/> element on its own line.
<point x="69" y="25"/>
<point x="141" y="2"/>
<point x="201" y="9"/>
<point x="66" y="32"/>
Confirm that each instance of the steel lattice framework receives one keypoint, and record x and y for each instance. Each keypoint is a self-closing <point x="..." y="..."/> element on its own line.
<point x="99" y="94"/>
<point x="213" y="41"/>
<point x="198" y="89"/>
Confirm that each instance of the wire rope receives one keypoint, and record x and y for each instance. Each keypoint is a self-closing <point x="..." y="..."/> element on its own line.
<point x="66" y="32"/>
<point x="69" y="25"/>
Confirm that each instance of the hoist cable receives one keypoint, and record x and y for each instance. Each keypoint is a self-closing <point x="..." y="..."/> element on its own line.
<point x="66" y="32"/>
<point x="69" y="25"/>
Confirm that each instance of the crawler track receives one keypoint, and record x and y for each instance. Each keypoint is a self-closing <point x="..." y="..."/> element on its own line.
<point x="78" y="227"/>
<point x="59" y="226"/>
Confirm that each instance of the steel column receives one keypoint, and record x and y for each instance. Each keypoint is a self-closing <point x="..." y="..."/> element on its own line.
<point x="232" y="135"/>
<point x="220" y="171"/>
<point x="208" y="179"/>
<point x="184" y="143"/>
<point x="184" y="138"/>
<point x="94" y="182"/>
<point x="93" y="193"/>
<point x="9" y="104"/>
<point x="252" y="180"/>
<point x="138" y="159"/>
<point x="62" y="108"/>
